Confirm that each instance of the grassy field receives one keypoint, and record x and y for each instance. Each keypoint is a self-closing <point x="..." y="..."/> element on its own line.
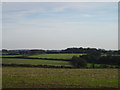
<point x="56" y="56"/>
<point x="11" y="55"/>
<point x="34" y="62"/>
<point x="30" y="77"/>
<point x="53" y="56"/>
<point x="41" y="62"/>
<point x="21" y="77"/>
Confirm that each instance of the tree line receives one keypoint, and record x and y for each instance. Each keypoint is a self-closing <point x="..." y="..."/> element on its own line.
<point x="104" y="61"/>
<point x="92" y="51"/>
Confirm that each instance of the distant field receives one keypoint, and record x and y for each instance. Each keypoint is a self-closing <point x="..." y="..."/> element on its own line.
<point x="34" y="62"/>
<point x="30" y="77"/>
<point x="40" y="62"/>
<point x="22" y="77"/>
<point x="112" y="55"/>
<point x="56" y="56"/>
<point x="53" y="56"/>
<point x="116" y="55"/>
<point x="11" y="55"/>
<point x="3" y="53"/>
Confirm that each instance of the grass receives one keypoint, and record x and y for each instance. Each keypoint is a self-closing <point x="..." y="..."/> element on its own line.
<point x="29" y="77"/>
<point x="11" y="55"/>
<point x="3" y="53"/>
<point x="56" y="56"/>
<point x="116" y="55"/>
<point x="44" y="62"/>
<point x="34" y="62"/>
<point x="40" y="62"/>
<point x="53" y="56"/>
<point x="22" y="77"/>
<point x="112" y="55"/>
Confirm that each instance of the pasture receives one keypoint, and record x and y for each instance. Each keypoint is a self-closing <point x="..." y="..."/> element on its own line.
<point x="34" y="62"/>
<point x="20" y="61"/>
<point x="56" y="56"/>
<point x="11" y="55"/>
<point x="24" y="77"/>
<point x="34" y="77"/>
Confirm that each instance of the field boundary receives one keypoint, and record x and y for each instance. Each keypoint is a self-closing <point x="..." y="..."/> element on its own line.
<point x="48" y="66"/>
<point x="28" y="65"/>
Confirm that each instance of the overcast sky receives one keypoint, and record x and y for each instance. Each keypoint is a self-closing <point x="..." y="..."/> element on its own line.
<point x="60" y="25"/>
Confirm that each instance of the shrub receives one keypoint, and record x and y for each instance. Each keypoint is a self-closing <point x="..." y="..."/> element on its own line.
<point x="78" y="62"/>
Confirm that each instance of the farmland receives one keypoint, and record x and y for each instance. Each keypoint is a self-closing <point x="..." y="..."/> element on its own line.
<point x="56" y="56"/>
<point x="11" y="55"/>
<point x="31" y="62"/>
<point x="39" y="77"/>
<point x="35" y="62"/>
<point x="23" y="77"/>
<point x="57" y="44"/>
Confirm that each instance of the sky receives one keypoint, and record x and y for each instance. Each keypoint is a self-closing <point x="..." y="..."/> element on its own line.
<point x="60" y="25"/>
<point x="0" y="25"/>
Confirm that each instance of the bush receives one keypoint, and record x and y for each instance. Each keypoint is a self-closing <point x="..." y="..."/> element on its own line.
<point x="104" y="66"/>
<point x="78" y="62"/>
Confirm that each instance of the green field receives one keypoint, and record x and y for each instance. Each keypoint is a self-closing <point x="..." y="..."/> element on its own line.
<point x="56" y="56"/>
<point x="52" y="56"/>
<point x="40" y="62"/>
<point x="35" y="62"/>
<point x="11" y="55"/>
<point x="21" y="77"/>
<point x="34" y="77"/>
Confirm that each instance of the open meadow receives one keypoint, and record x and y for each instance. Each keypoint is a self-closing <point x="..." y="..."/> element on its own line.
<point x="28" y="77"/>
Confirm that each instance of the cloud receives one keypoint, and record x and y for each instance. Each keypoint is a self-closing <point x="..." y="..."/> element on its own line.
<point x="67" y="23"/>
<point x="21" y="11"/>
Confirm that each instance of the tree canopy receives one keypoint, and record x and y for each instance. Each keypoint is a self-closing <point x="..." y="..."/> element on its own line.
<point x="78" y="62"/>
